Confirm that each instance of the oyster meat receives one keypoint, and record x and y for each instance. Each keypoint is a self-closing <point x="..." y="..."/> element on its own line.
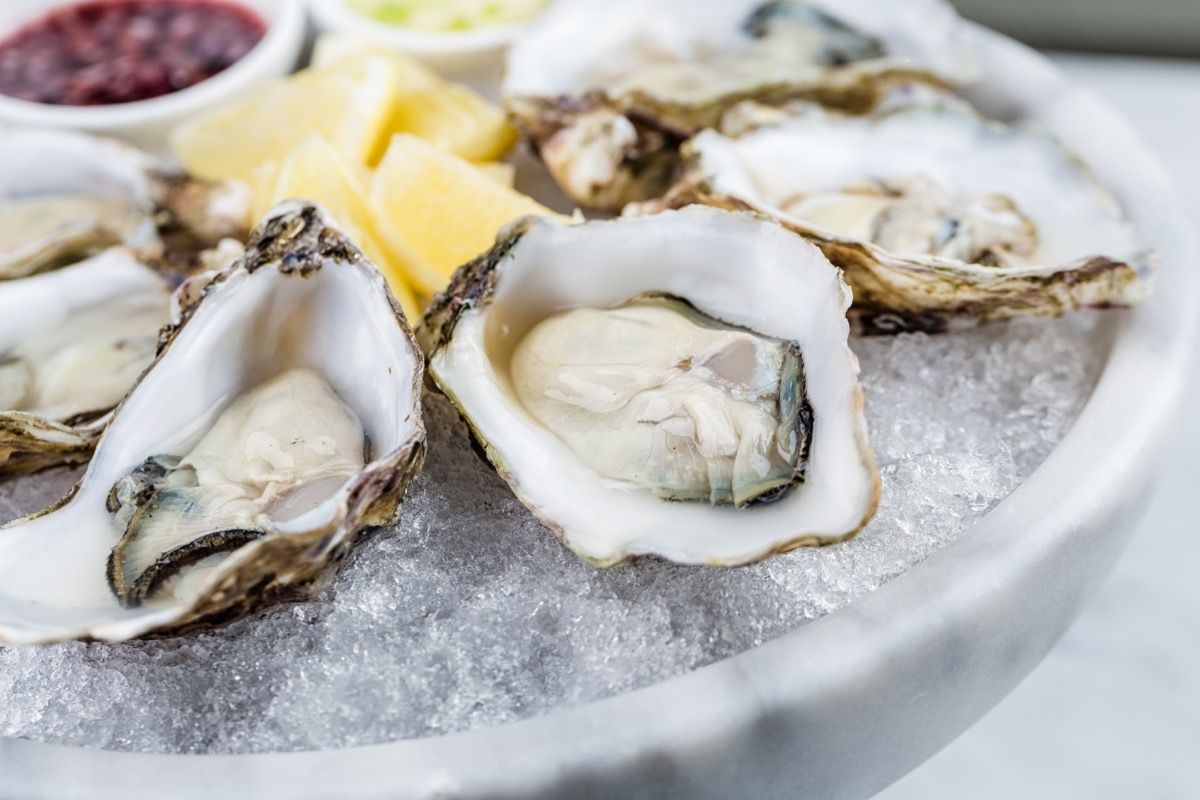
<point x="656" y="394"/>
<point x="669" y="385"/>
<point x="72" y="343"/>
<point x="939" y="218"/>
<point x="606" y="91"/>
<point x="65" y="196"/>
<point x="280" y="418"/>
<point x="280" y="446"/>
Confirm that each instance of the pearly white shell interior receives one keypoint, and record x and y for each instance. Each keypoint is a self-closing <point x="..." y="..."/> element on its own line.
<point x="36" y="162"/>
<point x="250" y="326"/>
<point x="1075" y="216"/>
<point x="43" y="302"/>
<point x="733" y="267"/>
<point x="577" y="42"/>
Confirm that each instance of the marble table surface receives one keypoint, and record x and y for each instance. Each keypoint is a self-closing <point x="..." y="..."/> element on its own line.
<point x="1113" y="713"/>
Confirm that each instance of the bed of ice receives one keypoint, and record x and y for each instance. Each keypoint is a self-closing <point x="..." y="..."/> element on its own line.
<point x="468" y="613"/>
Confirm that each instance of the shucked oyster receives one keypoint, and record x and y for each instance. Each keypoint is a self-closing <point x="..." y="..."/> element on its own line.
<point x="280" y="448"/>
<point x="677" y="385"/>
<point x="939" y="218"/>
<point x="655" y="393"/>
<point x="607" y="90"/>
<point x="281" y="417"/>
<point x="65" y="196"/>
<point x="72" y="344"/>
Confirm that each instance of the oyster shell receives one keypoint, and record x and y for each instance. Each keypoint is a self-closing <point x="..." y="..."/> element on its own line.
<point x="939" y="218"/>
<point x="717" y="426"/>
<point x="302" y="300"/>
<point x="65" y="196"/>
<point x="72" y="343"/>
<point x="606" y="90"/>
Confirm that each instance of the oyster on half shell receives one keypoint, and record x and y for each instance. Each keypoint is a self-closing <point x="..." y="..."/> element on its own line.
<point x="607" y="90"/>
<point x="281" y="417"/>
<point x="66" y="195"/>
<point x="677" y="385"/>
<point x="72" y="344"/>
<point x="939" y="218"/>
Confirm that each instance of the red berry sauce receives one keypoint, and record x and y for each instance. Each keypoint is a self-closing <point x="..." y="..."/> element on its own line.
<point x="118" y="51"/>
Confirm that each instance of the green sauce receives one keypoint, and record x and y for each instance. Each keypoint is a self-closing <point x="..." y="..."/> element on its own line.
<point x="447" y="15"/>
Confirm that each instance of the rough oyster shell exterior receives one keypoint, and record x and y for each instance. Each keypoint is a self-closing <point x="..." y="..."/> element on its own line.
<point x="163" y="215"/>
<point x="895" y="292"/>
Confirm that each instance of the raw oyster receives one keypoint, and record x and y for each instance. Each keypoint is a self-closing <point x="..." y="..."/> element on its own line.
<point x="188" y="504"/>
<point x="720" y="414"/>
<point x="72" y="343"/>
<point x="606" y="90"/>
<point x="671" y="385"/>
<point x="278" y="445"/>
<point x="939" y="218"/>
<point x="65" y="196"/>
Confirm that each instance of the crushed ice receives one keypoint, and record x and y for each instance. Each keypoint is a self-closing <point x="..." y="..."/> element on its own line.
<point x="468" y="613"/>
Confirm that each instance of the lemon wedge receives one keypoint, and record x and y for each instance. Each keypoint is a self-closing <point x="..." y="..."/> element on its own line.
<point x="315" y="170"/>
<point x="448" y="115"/>
<point x="262" y="190"/>
<point x="349" y="103"/>
<point x="499" y="171"/>
<point x="441" y="208"/>
<point x="455" y="119"/>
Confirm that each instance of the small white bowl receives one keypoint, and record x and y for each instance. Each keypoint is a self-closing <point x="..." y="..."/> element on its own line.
<point x="473" y="55"/>
<point x="146" y="123"/>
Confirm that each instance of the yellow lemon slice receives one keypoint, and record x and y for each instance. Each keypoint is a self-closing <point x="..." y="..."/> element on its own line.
<point x="443" y="209"/>
<point x="315" y="170"/>
<point x="455" y="119"/>
<point x="502" y="173"/>
<point x="448" y="115"/>
<point x="349" y="103"/>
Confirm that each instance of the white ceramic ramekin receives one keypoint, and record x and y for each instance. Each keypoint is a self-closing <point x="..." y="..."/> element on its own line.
<point x="146" y="122"/>
<point x="470" y="55"/>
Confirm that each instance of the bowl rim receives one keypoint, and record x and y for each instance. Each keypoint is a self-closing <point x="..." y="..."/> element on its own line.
<point x="852" y="700"/>
<point x="336" y="16"/>
<point x="285" y="30"/>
